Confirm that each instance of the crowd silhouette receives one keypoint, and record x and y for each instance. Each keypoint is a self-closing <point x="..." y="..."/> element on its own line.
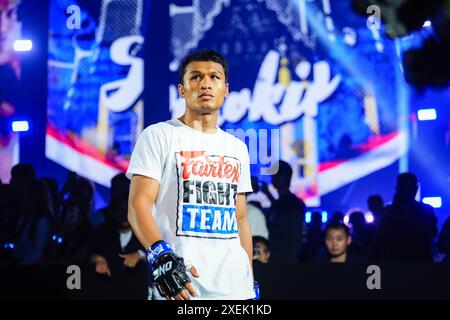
<point x="44" y="226"/>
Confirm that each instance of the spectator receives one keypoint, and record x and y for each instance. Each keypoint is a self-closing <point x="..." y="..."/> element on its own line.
<point x="261" y="249"/>
<point x="376" y="205"/>
<point x="71" y="241"/>
<point x="52" y="185"/>
<point x="22" y="174"/>
<point x="78" y="195"/>
<point x="314" y="238"/>
<point x="443" y="242"/>
<point x="118" y="256"/>
<point x="34" y="227"/>
<point x="407" y="227"/>
<point x="120" y="185"/>
<point x="286" y="218"/>
<point x="336" y="217"/>
<point x="337" y="241"/>
<point x="362" y="234"/>
<point x="7" y="224"/>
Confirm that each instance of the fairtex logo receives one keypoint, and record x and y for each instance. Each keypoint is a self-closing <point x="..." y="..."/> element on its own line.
<point x="208" y="186"/>
<point x="197" y="163"/>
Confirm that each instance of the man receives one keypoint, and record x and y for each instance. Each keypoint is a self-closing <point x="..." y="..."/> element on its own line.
<point x="407" y="227"/>
<point x="286" y="218"/>
<point x="337" y="241"/>
<point x="261" y="249"/>
<point x="117" y="254"/>
<point x="187" y="196"/>
<point x="375" y="204"/>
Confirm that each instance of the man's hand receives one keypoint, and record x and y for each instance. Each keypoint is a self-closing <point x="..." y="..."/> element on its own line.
<point x="131" y="259"/>
<point x="102" y="267"/>
<point x="169" y="272"/>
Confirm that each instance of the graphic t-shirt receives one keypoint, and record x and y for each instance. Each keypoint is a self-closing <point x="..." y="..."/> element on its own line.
<point x="200" y="176"/>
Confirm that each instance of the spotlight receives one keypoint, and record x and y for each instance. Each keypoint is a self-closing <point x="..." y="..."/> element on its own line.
<point x="22" y="45"/>
<point x="20" y="126"/>
<point x="427" y="24"/>
<point x="308" y="217"/>
<point x="369" y="217"/>
<point x="427" y="114"/>
<point x="324" y="217"/>
<point x="435" y="202"/>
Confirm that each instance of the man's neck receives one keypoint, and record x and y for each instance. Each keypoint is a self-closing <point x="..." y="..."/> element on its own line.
<point x="205" y="123"/>
<point x="340" y="258"/>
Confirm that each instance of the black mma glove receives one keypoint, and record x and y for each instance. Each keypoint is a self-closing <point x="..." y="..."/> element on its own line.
<point x="168" y="270"/>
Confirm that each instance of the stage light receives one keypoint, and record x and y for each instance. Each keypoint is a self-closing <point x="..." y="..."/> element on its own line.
<point x="22" y="45"/>
<point x="426" y="114"/>
<point x="20" y="126"/>
<point x="308" y="217"/>
<point x="57" y="238"/>
<point x="369" y="217"/>
<point x="346" y="219"/>
<point x="435" y="202"/>
<point x="9" y="245"/>
<point x="324" y="217"/>
<point x="427" y="23"/>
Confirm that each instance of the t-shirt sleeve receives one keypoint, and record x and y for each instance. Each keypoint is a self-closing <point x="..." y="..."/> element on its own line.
<point x="148" y="157"/>
<point x="245" y="184"/>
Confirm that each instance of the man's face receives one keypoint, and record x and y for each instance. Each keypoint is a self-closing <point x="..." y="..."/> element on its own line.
<point x="204" y="87"/>
<point x="337" y="242"/>
<point x="264" y="253"/>
<point x="8" y="20"/>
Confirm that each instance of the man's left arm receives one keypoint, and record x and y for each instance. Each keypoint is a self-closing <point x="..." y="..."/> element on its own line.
<point x="245" y="234"/>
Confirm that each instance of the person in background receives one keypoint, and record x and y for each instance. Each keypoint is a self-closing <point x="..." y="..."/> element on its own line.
<point x="286" y="218"/>
<point x="35" y="224"/>
<point x="261" y="249"/>
<point x="407" y="227"/>
<point x="337" y="242"/>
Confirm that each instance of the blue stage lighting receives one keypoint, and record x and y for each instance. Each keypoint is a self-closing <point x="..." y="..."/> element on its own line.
<point x="20" y="126"/>
<point x="435" y="202"/>
<point x="22" y="45"/>
<point x="308" y="217"/>
<point x="426" y="114"/>
<point x="324" y="217"/>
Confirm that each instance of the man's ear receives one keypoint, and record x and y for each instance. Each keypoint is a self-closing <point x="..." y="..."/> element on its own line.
<point x="227" y="87"/>
<point x="181" y="90"/>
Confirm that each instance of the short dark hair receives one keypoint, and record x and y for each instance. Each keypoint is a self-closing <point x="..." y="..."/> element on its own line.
<point x="204" y="55"/>
<point x="407" y="181"/>
<point x="260" y="239"/>
<point x="284" y="169"/>
<point x="337" y="226"/>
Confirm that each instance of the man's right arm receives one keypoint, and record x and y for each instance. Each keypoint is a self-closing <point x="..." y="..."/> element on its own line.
<point x="170" y="284"/>
<point x="143" y="193"/>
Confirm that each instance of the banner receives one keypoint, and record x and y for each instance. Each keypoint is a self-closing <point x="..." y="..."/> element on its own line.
<point x="9" y="86"/>
<point x="95" y="84"/>
<point x="311" y="83"/>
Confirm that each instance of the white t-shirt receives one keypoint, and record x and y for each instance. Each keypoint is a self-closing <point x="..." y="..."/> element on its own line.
<point x="200" y="175"/>
<point x="257" y="221"/>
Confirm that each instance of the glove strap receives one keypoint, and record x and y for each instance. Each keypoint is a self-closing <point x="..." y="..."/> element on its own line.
<point x="158" y="249"/>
